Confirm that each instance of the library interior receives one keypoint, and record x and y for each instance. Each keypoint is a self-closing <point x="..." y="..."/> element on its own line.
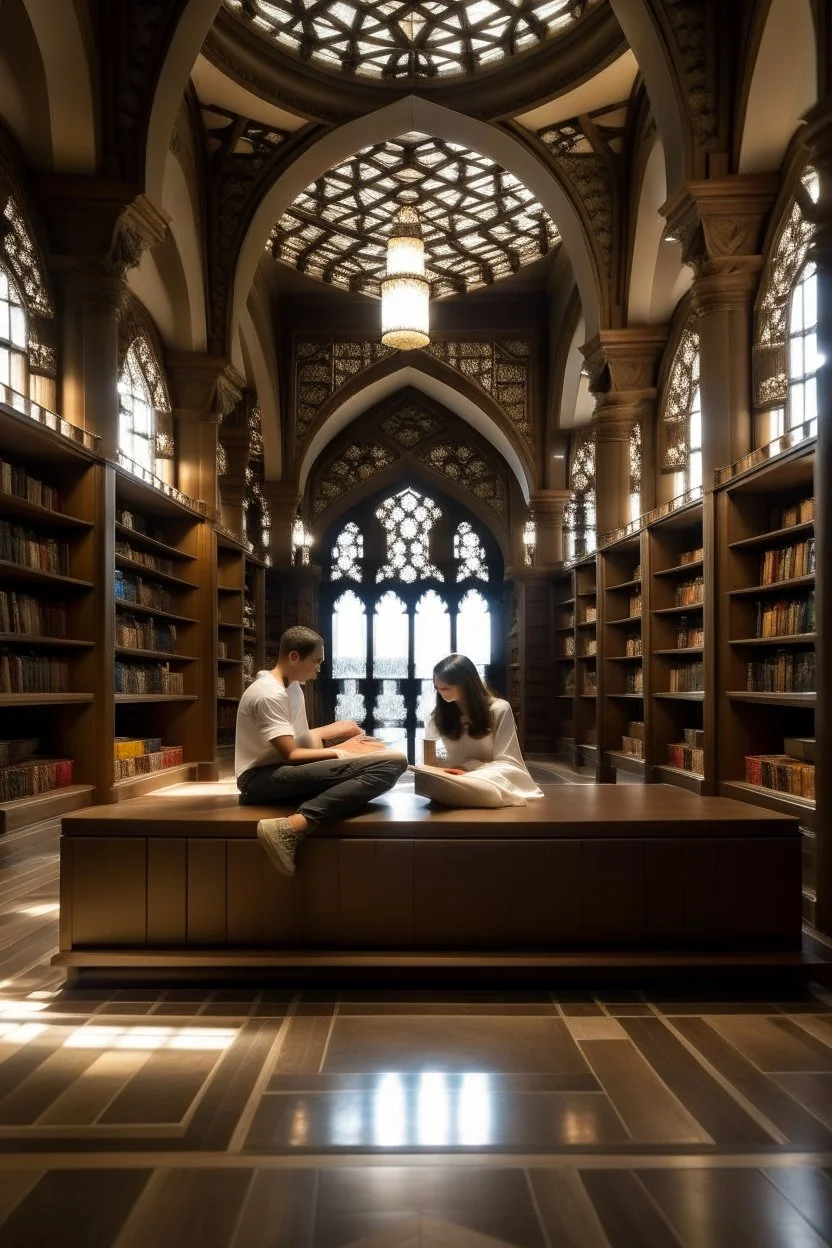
<point x="495" y="328"/>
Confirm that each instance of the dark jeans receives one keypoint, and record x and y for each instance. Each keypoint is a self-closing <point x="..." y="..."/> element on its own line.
<point x="326" y="790"/>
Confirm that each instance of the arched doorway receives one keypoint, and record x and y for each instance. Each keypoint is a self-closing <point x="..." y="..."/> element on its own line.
<point x="409" y="576"/>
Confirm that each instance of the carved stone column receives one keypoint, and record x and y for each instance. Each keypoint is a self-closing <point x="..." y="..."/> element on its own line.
<point x="721" y="224"/>
<point x="623" y="366"/>
<point x="283" y="498"/>
<point x="818" y="138"/>
<point x="98" y="232"/>
<point x="198" y="392"/>
<point x="548" y="507"/>
<point x="530" y="655"/>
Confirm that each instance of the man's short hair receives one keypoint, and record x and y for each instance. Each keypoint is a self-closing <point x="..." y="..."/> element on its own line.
<point x="299" y="638"/>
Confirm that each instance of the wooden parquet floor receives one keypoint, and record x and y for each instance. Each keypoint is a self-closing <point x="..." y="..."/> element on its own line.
<point x="275" y="1118"/>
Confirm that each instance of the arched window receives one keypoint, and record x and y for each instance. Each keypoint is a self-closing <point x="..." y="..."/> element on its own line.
<point x="14" y="337"/>
<point x="27" y="360"/>
<point x="349" y="655"/>
<point x="408" y="518"/>
<point x="473" y="630"/>
<point x="681" y="423"/>
<point x="579" y="514"/>
<point x="469" y="553"/>
<point x="786" y="358"/>
<point x="145" y="440"/>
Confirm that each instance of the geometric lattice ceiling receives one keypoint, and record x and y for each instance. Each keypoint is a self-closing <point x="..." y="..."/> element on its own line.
<point x="390" y="39"/>
<point x="479" y="222"/>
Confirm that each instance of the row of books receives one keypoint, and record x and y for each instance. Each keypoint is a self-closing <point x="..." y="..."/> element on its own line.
<point x="781" y="773"/>
<point x="33" y="617"/>
<point x="32" y="776"/>
<point x="568" y="647"/>
<point x="691" y="556"/>
<point x="143" y="593"/>
<point x="130" y="520"/>
<point x="689" y="593"/>
<point x="686" y="757"/>
<point x="155" y="562"/>
<point x="249" y="615"/>
<point x="590" y="648"/>
<point x="794" y="513"/>
<point x="689" y="635"/>
<point x="16" y="749"/>
<point x="132" y="747"/>
<point x="220" y="686"/>
<point x="590" y="682"/>
<point x="145" y="634"/>
<point x="633" y="646"/>
<point x="590" y="615"/>
<point x="687" y="677"/>
<point x="16" y="481"/>
<point x="783" y="671"/>
<point x="226" y="724"/>
<point x="33" y="673"/>
<point x="148" y="678"/>
<point x="145" y="764"/>
<point x="781" y="617"/>
<point x="635" y="680"/>
<point x="635" y="604"/>
<point x="248" y="668"/>
<point x="783" y="563"/>
<point x="632" y="742"/>
<point x="32" y="550"/>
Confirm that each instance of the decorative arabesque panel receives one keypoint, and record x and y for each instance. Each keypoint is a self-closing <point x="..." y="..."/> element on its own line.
<point x="680" y="394"/>
<point x="579" y="513"/>
<point x="479" y="222"/>
<point x="469" y="470"/>
<point x="788" y="256"/>
<point x="409" y="425"/>
<point x="256" y="512"/>
<point x="20" y="255"/>
<point x="401" y="39"/>
<point x="356" y="463"/>
<point x="502" y="369"/>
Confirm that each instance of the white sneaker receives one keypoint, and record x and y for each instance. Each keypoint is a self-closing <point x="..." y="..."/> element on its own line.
<point x="280" y="841"/>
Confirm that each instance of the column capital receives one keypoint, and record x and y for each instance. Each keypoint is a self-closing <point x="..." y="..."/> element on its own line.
<point x="616" y="413"/>
<point x="548" y="505"/>
<point x="729" y="287"/>
<point x="105" y="223"/>
<point x="720" y="220"/>
<point x="201" y="385"/>
<point x="625" y="359"/>
<point x="89" y="286"/>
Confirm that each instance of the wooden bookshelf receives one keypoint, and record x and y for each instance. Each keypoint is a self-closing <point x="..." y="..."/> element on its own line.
<point x="586" y="663"/>
<point x="157" y="639"/>
<point x="254" y="619"/>
<point x="563" y="634"/>
<point x="231" y="586"/>
<point x="623" y="702"/>
<point x="766" y="635"/>
<point x="680" y="738"/>
<point x="49" y="494"/>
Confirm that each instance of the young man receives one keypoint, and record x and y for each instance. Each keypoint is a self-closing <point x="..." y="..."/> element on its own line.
<point x="279" y="761"/>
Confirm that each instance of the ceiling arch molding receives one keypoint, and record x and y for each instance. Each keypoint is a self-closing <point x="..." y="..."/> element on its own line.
<point x="663" y="87"/>
<point x="69" y="91"/>
<point x="780" y="86"/>
<point x="413" y="113"/>
<point x="375" y="387"/>
<point x="657" y="276"/>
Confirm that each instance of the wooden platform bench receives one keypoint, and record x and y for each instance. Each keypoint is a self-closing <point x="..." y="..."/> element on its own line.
<point x="585" y="874"/>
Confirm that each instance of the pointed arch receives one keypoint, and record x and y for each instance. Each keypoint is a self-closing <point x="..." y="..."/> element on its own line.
<point x="781" y="84"/>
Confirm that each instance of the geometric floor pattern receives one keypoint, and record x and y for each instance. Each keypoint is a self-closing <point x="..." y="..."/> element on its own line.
<point x="276" y="1118"/>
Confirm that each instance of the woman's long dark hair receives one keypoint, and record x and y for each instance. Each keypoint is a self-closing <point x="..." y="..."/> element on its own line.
<point x="457" y="669"/>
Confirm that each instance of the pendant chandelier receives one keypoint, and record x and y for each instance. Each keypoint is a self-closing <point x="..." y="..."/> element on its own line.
<point x="405" y="293"/>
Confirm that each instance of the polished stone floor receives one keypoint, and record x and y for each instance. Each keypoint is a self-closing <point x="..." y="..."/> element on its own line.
<point x="360" y="1118"/>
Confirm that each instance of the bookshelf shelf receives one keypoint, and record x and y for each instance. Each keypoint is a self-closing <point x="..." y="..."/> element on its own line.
<point x="680" y="569"/>
<point x="49" y="643"/>
<point x="34" y="576"/>
<point x="136" y="608"/>
<point x="772" y="699"/>
<point x="627" y="619"/>
<point x="682" y="650"/>
<point x="227" y="698"/>
<point x="626" y="762"/>
<point x="45" y="699"/>
<point x="24" y="811"/>
<point x="12" y="505"/>
<point x="152" y="574"/>
<point x="138" y="786"/>
<point x="773" y="537"/>
<point x="151" y="544"/>
<point x="633" y="697"/>
<point x="776" y="587"/>
<point x="668" y="612"/>
<point x="785" y="803"/>
<point x="125" y="699"/>
<point x="693" y="781"/>
<point x="164" y="655"/>
<point x="695" y="695"/>
<point x="229" y="589"/>
<point x="785" y="639"/>
<point x="625" y="658"/>
<point x="619" y="585"/>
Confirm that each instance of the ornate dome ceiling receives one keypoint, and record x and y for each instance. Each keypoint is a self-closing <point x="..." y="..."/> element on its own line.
<point x="394" y="40"/>
<point x="479" y="222"/>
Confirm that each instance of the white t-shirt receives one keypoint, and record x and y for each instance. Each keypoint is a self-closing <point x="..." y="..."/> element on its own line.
<point x="267" y="710"/>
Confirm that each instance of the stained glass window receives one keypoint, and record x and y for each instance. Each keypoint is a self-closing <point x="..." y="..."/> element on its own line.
<point x="145" y="423"/>
<point x="682" y="415"/>
<point x="579" y="513"/>
<point x="479" y="222"/>
<point x="408" y="518"/>
<point x="398" y="39"/>
<point x="469" y="553"/>
<point x="14" y="337"/>
<point x="347" y="554"/>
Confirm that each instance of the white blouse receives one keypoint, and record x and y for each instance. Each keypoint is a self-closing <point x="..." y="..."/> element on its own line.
<point x="495" y="757"/>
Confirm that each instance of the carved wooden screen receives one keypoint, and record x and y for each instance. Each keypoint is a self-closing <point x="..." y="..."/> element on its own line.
<point x="579" y="514"/>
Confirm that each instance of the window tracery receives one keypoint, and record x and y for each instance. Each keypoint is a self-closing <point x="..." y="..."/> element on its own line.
<point x="22" y="256"/>
<point x="636" y="470"/>
<point x="407" y="518"/>
<point x="787" y="259"/>
<point x="20" y="259"/>
<point x="479" y="222"/>
<point x="579" y="527"/>
<point x="804" y="359"/>
<point x="469" y="470"/>
<point x="145" y="418"/>
<point x="682" y="415"/>
<point x="347" y="554"/>
<point x="409" y="425"/>
<point x="469" y="553"/>
<point x="357" y="462"/>
<point x="394" y="39"/>
<point x="14" y="337"/>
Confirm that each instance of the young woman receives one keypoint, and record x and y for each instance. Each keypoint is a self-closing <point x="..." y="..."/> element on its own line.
<point x="484" y="766"/>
